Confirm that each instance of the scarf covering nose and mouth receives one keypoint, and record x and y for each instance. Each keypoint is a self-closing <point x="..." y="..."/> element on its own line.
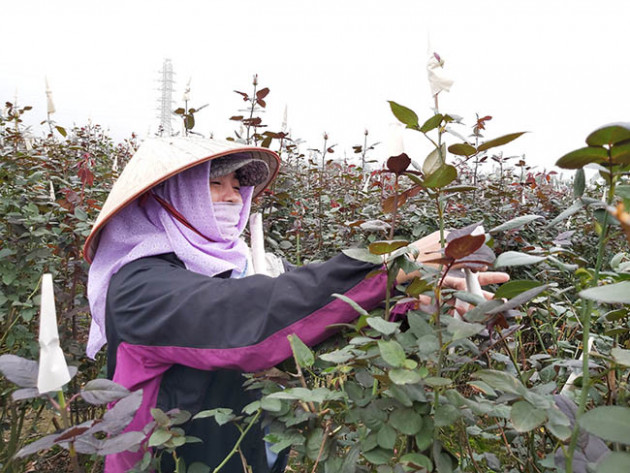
<point x="227" y="215"/>
<point x="146" y="229"/>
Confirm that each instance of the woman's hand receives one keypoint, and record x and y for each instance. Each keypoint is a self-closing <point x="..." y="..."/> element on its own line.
<point x="427" y="247"/>
<point x="485" y="278"/>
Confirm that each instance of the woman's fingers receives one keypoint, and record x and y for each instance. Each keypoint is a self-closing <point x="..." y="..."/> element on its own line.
<point x="455" y="283"/>
<point x="492" y="277"/>
<point x="484" y="279"/>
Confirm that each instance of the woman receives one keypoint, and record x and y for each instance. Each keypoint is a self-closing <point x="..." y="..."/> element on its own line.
<point x="167" y="287"/>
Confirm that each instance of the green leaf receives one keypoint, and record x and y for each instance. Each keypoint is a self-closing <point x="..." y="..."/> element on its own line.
<point x="581" y="157"/>
<point x="437" y="382"/>
<point x="614" y="462"/>
<point x="541" y="401"/>
<point x="383" y="326"/>
<point x="373" y="417"/>
<point x="620" y="154"/>
<point x="618" y="293"/>
<point x="425" y="438"/>
<point x="460" y="329"/>
<point x="483" y="387"/>
<point x="181" y="417"/>
<point x="518" y="300"/>
<point x="515" y="223"/>
<point x="526" y="417"/>
<point x="352" y="303"/>
<point x="446" y="414"/>
<point x="350" y="459"/>
<point x="271" y="404"/>
<point x="314" y="443"/>
<point x="198" y="467"/>
<point x="285" y="439"/>
<point x="399" y="394"/>
<point x="303" y="354"/>
<point x="158" y="437"/>
<point x="403" y="376"/>
<point x="434" y="161"/>
<point x="621" y="356"/>
<point x="579" y="183"/>
<point x="432" y="123"/>
<point x="444" y="463"/>
<point x="575" y="208"/>
<point x="221" y="415"/>
<point x="455" y="189"/>
<point x="417" y="287"/>
<point x="501" y="381"/>
<point x="515" y="258"/>
<point x="478" y="313"/>
<point x="392" y="352"/>
<point x="623" y="191"/>
<point x="611" y="423"/>
<point x="609" y="135"/>
<point x="558" y="423"/>
<point x="378" y="456"/>
<point x="338" y="357"/>
<point x="502" y="140"/>
<point x="406" y="421"/>
<point x="418" y="325"/>
<point x="417" y="461"/>
<point x="361" y="254"/>
<point x="160" y="417"/>
<point x="404" y="115"/>
<point x="80" y="214"/>
<point x="307" y="395"/>
<point x="384" y="247"/>
<point x="4" y="252"/>
<point x="462" y="149"/>
<point x="514" y="288"/>
<point x="415" y="179"/>
<point x="386" y="437"/>
<point x="62" y="131"/>
<point x="441" y="177"/>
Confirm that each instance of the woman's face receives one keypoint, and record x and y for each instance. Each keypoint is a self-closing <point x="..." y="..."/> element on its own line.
<point x="226" y="189"/>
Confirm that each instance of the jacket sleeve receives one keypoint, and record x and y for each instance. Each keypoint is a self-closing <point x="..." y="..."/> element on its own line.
<point x="164" y="314"/>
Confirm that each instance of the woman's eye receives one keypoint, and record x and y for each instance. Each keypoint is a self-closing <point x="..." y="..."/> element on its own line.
<point x="236" y="188"/>
<point x="215" y="183"/>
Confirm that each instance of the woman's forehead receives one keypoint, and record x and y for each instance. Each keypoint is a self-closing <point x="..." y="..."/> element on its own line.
<point x="225" y="177"/>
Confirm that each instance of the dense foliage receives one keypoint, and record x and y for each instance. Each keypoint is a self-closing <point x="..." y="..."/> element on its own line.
<point x="497" y="389"/>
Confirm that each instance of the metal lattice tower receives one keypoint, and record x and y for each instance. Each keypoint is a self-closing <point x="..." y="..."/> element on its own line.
<point x="165" y="102"/>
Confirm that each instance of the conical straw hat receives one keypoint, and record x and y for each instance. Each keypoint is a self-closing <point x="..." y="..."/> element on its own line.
<point x="156" y="160"/>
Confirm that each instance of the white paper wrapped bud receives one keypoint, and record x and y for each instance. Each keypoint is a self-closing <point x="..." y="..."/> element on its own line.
<point x="50" y="105"/>
<point x="258" y="243"/>
<point x="472" y="278"/>
<point x="53" y="370"/>
<point x="437" y="79"/>
<point x="186" y="96"/>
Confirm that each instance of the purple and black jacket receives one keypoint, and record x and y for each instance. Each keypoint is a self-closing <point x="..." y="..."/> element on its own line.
<point x="185" y="338"/>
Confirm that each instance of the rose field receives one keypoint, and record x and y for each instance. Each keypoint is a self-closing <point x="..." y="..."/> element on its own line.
<point x="535" y="379"/>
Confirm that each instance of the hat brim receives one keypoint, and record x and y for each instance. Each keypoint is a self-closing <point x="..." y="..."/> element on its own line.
<point x="158" y="159"/>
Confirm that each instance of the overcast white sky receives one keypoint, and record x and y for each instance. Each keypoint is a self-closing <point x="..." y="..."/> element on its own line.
<point x="557" y="69"/>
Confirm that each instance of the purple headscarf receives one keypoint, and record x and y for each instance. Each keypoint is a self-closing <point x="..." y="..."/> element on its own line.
<point x="147" y="229"/>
